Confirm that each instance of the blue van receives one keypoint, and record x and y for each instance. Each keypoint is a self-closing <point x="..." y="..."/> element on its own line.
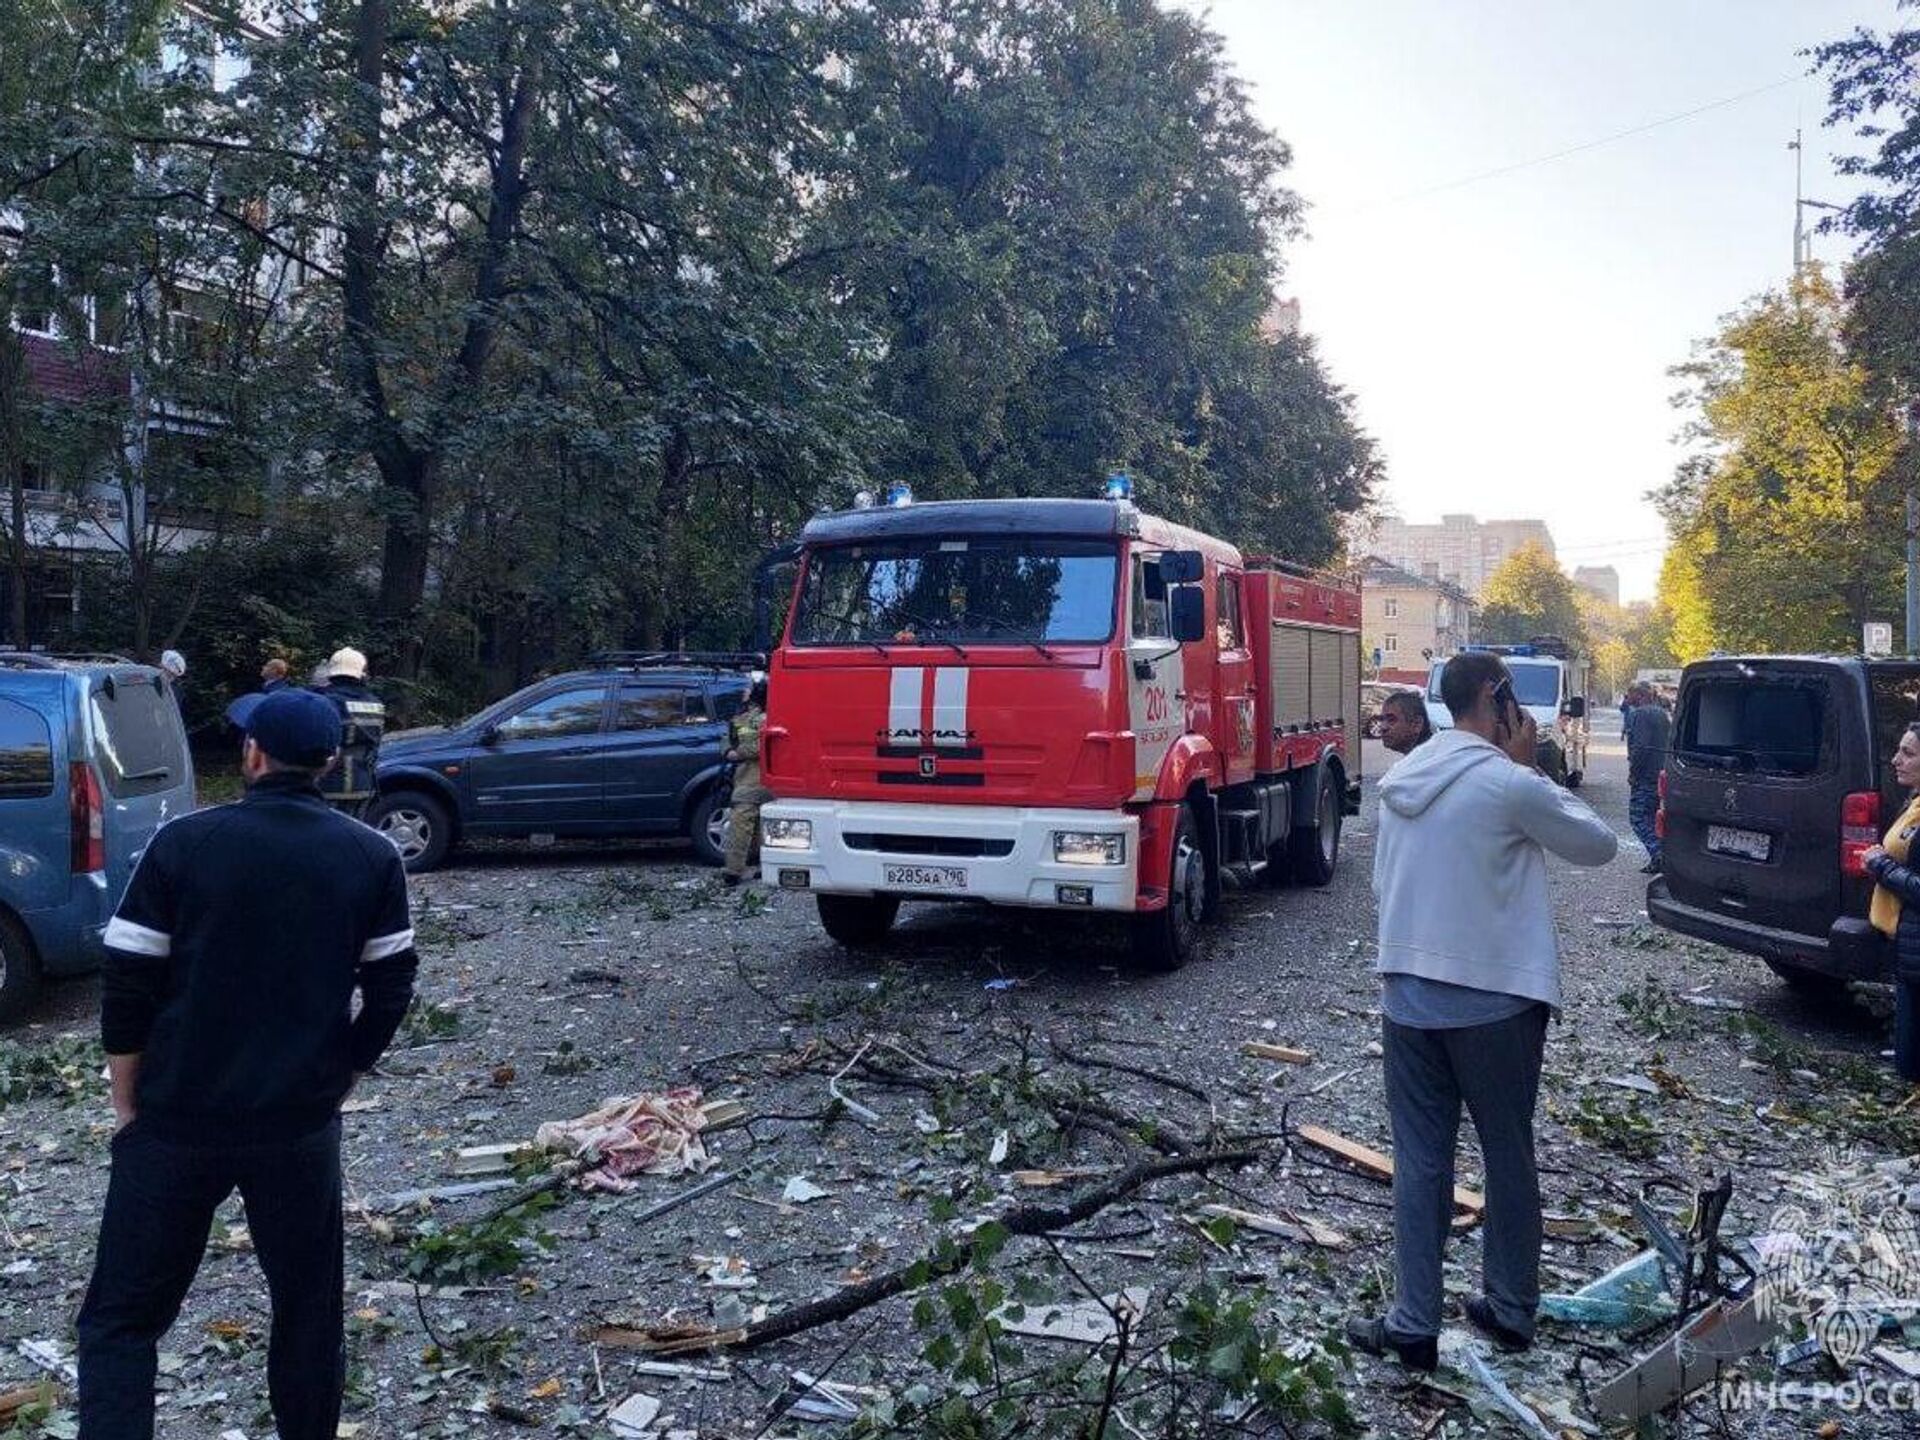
<point x="93" y="760"/>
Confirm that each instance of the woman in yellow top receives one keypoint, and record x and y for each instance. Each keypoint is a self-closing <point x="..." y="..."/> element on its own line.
<point x="1895" y="909"/>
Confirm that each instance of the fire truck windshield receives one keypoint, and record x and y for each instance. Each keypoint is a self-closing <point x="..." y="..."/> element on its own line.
<point x="983" y="590"/>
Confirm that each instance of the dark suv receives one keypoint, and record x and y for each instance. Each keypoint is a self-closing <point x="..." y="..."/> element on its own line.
<point x="1778" y="782"/>
<point x="631" y="747"/>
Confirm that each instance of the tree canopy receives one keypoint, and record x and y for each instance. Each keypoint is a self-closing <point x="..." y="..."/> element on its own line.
<point x="1529" y="595"/>
<point x="587" y="302"/>
<point x="1787" y="513"/>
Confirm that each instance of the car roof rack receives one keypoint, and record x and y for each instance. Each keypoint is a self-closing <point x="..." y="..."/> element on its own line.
<point x="27" y="660"/>
<point x="677" y="660"/>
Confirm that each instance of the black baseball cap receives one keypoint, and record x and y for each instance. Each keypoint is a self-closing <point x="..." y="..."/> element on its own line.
<point x="295" y="727"/>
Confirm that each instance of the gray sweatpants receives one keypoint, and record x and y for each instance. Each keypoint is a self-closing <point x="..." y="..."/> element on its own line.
<point x="1495" y="1069"/>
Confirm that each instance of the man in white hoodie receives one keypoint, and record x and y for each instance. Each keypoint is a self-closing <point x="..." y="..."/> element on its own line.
<point x="1470" y="968"/>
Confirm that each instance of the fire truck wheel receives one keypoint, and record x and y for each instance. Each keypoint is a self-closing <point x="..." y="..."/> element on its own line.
<point x="1165" y="939"/>
<point x="1317" y="851"/>
<point x="856" y="920"/>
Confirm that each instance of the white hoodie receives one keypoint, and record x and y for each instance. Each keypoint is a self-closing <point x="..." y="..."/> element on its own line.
<point x="1460" y="869"/>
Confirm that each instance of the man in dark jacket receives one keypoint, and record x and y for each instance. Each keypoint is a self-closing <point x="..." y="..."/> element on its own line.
<point x="1649" y="736"/>
<point x="226" y="1012"/>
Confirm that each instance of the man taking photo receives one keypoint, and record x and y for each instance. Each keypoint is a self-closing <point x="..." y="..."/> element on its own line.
<point x="226" y="1011"/>
<point x="1470" y="968"/>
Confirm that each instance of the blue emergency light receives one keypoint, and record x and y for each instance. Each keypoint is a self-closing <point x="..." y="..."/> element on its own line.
<point x="1119" y="486"/>
<point x="899" y="496"/>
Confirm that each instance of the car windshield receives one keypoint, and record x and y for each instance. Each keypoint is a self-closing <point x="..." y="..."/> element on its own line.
<point x="1533" y="683"/>
<point x="1002" y="589"/>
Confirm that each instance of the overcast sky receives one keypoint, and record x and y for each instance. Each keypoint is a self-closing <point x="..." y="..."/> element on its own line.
<point x="1508" y="339"/>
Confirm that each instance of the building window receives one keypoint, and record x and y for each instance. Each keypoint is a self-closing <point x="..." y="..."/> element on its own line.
<point x="1391" y="607"/>
<point x="1390" y="644"/>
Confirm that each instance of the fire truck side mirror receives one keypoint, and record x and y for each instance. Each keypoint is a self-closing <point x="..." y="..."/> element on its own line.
<point x="1189" y="613"/>
<point x="1182" y="567"/>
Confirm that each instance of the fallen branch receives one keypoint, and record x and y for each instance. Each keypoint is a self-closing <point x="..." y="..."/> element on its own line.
<point x="1158" y="1077"/>
<point x="1027" y="1220"/>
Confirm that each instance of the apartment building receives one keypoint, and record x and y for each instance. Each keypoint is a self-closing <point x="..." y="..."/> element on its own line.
<point x="113" y="355"/>
<point x="1459" y="550"/>
<point x="1600" y="580"/>
<point x="1408" y="618"/>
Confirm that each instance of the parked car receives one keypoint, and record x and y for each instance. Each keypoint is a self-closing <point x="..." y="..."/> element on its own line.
<point x="1373" y="696"/>
<point x="93" y="760"/>
<point x="1777" y="783"/>
<point x="632" y="747"/>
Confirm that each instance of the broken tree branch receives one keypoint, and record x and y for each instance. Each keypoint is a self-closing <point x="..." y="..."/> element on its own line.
<point x="1028" y="1220"/>
<point x="1158" y="1077"/>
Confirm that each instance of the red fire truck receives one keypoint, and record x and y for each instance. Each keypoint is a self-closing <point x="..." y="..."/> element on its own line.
<point x="1053" y="703"/>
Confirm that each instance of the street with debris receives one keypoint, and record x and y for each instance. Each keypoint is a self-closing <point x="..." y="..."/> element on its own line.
<point x="1156" y="1187"/>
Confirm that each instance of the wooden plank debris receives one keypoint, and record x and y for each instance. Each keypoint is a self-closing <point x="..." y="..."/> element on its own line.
<point x="1288" y="1225"/>
<point x="1366" y="1158"/>
<point x="1286" y="1054"/>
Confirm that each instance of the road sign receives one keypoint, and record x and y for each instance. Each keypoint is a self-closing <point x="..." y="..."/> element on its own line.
<point x="1876" y="637"/>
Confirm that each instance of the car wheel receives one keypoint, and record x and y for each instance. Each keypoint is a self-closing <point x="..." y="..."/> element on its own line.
<point x="19" y="968"/>
<point x="707" y="827"/>
<point x="1316" y="852"/>
<point x="857" y="920"/>
<point x="1165" y="939"/>
<point x="417" y="824"/>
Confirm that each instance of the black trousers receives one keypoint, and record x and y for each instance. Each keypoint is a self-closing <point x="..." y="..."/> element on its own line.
<point x="161" y="1200"/>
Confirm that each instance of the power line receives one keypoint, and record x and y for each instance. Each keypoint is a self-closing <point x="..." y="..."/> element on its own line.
<point x="1579" y="149"/>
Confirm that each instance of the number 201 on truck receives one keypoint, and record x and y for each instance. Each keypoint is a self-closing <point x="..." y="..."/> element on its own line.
<point x="1062" y="704"/>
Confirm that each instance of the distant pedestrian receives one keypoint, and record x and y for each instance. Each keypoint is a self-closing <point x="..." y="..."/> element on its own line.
<point x="1470" y="968"/>
<point x="1404" y="725"/>
<point x="1649" y="736"/>
<point x="227" y="1016"/>
<point x="743" y="821"/>
<point x="273" y="676"/>
<point x="1895" y="907"/>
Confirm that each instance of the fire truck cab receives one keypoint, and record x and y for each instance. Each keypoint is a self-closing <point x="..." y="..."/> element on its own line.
<point x="1057" y="703"/>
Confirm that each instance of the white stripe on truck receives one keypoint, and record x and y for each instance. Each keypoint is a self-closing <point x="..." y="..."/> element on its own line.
<point x="950" y="705"/>
<point x="903" y="704"/>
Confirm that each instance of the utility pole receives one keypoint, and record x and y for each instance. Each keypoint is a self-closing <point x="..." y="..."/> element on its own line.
<point x="1913" y="528"/>
<point x="1799" y="210"/>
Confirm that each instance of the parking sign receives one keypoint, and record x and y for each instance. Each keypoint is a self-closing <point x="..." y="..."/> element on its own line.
<point x="1876" y="637"/>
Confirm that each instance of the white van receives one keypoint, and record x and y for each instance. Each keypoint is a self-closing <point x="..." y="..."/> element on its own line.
<point x="1552" y="688"/>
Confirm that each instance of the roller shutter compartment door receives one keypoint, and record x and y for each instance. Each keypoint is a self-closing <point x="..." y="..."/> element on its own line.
<point x="1324" y="688"/>
<point x="1290" y="681"/>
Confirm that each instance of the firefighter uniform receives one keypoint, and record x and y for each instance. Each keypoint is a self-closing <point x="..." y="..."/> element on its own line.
<point x="363" y="722"/>
<point x="743" y="822"/>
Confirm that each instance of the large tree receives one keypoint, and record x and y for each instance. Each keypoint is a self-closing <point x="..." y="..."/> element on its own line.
<point x="1788" y="510"/>
<point x="1529" y="595"/>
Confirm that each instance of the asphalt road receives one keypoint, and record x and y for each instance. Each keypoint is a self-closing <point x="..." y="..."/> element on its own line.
<point x="570" y="975"/>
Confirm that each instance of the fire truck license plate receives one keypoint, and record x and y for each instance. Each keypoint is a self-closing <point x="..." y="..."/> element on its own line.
<point x="1747" y="844"/>
<point x="927" y="877"/>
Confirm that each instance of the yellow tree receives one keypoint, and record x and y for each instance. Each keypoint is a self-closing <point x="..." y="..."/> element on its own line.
<point x="1785" y="521"/>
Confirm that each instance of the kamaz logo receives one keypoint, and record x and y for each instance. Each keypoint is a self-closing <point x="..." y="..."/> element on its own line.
<point x="934" y="737"/>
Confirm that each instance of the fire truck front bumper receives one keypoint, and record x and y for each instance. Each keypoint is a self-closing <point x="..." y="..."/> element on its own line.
<point x="1003" y="855"/>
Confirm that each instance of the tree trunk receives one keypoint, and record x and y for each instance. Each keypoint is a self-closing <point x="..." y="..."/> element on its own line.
<point x="13" y="463"/>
